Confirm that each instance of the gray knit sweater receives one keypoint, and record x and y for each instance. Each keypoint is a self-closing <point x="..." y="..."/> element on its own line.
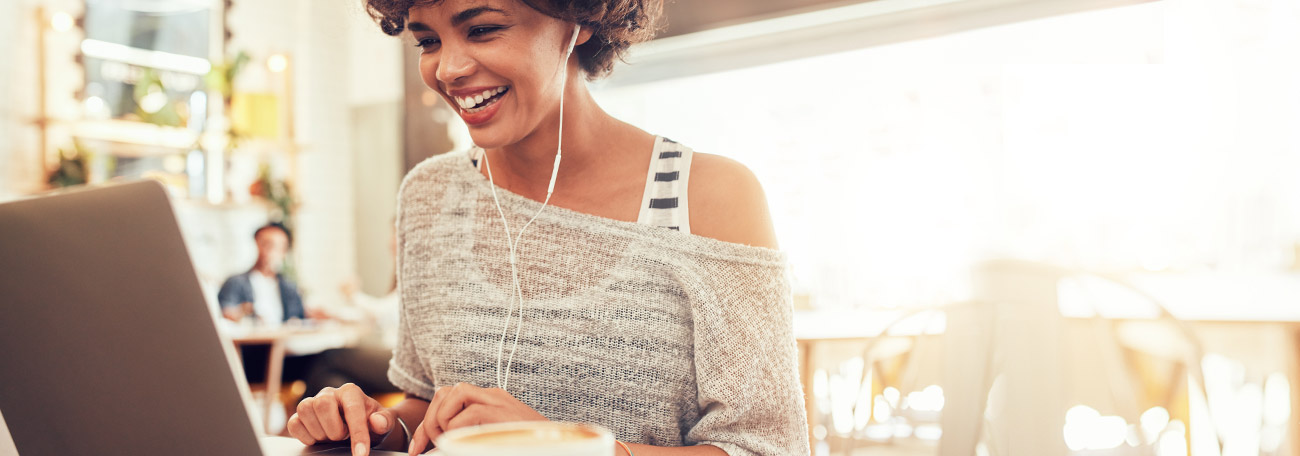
<point x="664" y="337"/>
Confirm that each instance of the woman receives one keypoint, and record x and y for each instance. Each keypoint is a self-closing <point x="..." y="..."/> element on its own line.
<point x="573" y="283"/>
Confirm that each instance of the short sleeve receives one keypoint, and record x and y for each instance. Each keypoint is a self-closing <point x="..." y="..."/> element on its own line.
<point x="229" y="295"/>
<point x="750" y="398"/>
<point x="406" y="370"/>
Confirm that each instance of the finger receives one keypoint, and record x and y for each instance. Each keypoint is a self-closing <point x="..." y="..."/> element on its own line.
<point x="382" y="421"/>
<point x="419" y="441"/>
<point x="298" y="431"/>
<point x="460" y="396"/>
<point x="432" y="432"/>
<point x="308" y="417"/>
<point x="428" y="430"/>
<point x="326" y="405"/>
<point x="471" y="416"/>
<point x="355" y="413"/>
<point x="430" y="421"/>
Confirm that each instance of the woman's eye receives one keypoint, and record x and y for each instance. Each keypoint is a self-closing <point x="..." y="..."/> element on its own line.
<point x="483" y="30"/>
<point x="426" y="43"/>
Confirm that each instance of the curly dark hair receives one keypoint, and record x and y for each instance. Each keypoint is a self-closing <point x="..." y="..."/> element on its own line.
<point x="616" y="24"/>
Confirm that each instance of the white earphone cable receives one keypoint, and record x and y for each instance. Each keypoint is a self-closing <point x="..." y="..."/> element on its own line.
<point x="503" y="379"/>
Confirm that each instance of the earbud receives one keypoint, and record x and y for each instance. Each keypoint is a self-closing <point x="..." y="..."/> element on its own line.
<point x="573" y="41"/>
<point x="564" y="78"/>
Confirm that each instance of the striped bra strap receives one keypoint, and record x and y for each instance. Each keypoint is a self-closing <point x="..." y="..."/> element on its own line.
<point x="663" y="203"/>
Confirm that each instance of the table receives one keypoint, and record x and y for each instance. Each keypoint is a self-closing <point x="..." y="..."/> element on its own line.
<point x="1221" y="306"/>
<point x="284" y="446"/>
<point x="274" y="364"/>
<point x="816" y="327"/>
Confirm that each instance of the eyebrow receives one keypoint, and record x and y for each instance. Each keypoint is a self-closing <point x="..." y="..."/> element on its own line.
<point x="471" y="13"/>
<point x="456" y="20"/>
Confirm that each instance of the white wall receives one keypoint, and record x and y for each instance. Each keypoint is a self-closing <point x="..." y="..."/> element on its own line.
<point x="375" y="80"/>
<point x="377" y="167"/>
<point x="375" y="73"/>
<point x="327" y="252"/>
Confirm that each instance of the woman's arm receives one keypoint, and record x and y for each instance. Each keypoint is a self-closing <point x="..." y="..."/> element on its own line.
<point x="464" y="405"/>
<point x="727" y="202"/>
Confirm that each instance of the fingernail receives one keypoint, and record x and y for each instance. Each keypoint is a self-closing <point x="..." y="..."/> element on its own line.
<point x="359" y="449"/>
<point x="381" y="423"/>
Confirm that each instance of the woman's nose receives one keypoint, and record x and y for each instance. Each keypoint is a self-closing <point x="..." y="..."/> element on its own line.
<point x="453" y="63"/>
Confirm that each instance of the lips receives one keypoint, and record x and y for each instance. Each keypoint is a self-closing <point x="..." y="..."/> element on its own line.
<point x="479" y="105"/>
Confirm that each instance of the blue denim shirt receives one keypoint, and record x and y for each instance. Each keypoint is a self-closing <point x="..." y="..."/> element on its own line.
<point x="238" y="290"/>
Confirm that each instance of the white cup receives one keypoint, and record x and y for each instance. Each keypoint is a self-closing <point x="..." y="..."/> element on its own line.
<point x="533" y="438"/>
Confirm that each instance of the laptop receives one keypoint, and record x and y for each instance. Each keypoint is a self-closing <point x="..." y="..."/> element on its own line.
<point x="107" y="344"/>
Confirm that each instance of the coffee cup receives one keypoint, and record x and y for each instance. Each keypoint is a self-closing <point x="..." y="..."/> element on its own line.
<point x="532" y="438"/>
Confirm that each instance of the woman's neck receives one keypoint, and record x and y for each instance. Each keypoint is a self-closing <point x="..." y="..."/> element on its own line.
<point x="589" y="134"/>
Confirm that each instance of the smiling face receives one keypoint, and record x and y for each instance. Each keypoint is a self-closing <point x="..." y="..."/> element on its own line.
<point x="496" y="62"/>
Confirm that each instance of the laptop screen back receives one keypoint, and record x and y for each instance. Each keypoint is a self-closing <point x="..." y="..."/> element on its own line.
<point x="108" y="343"/>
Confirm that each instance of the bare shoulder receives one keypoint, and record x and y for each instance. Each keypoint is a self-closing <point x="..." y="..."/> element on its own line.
<point x="727" y="202"/>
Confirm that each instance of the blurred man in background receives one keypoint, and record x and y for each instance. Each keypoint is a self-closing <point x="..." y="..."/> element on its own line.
<point x="263" y="293"/>
<point x="266" y="297"/>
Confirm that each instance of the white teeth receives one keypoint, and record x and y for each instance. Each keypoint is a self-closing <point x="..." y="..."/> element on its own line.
<point x="468" y="103"/>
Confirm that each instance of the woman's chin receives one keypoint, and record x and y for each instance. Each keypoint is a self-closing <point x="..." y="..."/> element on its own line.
<point x="485" y="137"/>
<point x="487" y="141"/>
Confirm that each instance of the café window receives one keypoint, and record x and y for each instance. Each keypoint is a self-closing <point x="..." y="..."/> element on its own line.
<point x="157" y="48"/>
<point x="1145" y="137"/>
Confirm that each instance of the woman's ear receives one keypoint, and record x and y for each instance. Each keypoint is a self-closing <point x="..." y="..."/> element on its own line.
<point x="584" y="34"/>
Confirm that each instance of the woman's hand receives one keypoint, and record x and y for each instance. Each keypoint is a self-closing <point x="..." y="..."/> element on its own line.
<point x="342" y="413"/>
<point x="468" y="405"/>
